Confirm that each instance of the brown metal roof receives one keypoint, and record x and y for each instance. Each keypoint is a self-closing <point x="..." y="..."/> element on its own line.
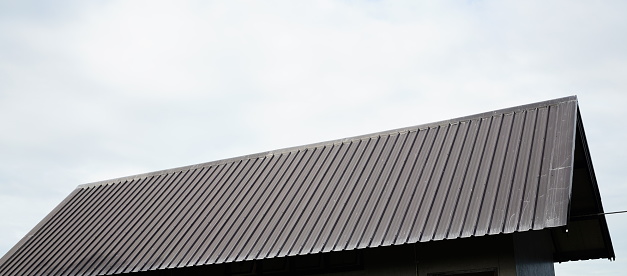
<point x="497" y="172"/>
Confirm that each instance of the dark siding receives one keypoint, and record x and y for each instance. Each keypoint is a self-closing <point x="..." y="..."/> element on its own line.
<point x="497" y="172"/>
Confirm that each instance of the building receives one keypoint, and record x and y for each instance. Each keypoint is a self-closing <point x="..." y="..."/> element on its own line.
<point x="506" y="192"/>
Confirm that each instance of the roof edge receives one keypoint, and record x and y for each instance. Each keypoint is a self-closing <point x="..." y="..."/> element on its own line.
<point x="336" y="141"/>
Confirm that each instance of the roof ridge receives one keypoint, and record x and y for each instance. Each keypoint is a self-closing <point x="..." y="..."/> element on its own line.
<point x="332" y="142"/>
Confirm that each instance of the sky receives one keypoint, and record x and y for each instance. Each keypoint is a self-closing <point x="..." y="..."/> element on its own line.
<point x="94" y="90"/>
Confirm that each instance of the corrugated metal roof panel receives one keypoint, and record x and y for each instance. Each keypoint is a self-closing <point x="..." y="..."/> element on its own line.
<point x="496" y="172"/>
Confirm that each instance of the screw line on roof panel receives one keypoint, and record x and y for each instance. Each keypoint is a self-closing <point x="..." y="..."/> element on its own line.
<point x="251" y="216"/>
<point x="412" y="156"/>
<point x="205" y="219"/>
<point x="447" y="211"/>
<point x="351" y="200"/>
<point x="441" y="161"/>
<point x="320" y="228"/>
<point x="263" y="212"/>
<point x="473" y="127"/>
<point x="394" y="174"/>
<point x="418" y="189"/>
<point x="434" y="162"/>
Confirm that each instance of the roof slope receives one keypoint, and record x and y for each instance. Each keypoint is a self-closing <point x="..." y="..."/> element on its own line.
<point x="496" y="172"/>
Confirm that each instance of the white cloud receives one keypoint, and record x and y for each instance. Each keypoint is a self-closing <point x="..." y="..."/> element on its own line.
<point x="102" y="90"/>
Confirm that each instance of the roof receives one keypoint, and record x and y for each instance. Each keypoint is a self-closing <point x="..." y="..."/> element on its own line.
<point x="498" y="172"/>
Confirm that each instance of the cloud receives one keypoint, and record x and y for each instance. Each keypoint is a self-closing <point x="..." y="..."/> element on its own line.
<point x="91" y="91"/>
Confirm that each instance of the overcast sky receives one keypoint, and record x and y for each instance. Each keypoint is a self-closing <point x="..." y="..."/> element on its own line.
<point x="93" y="91"/>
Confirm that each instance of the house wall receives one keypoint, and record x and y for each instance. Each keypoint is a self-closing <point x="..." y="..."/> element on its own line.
<point x="470" y="254"/>
<point x="534" y="253"/>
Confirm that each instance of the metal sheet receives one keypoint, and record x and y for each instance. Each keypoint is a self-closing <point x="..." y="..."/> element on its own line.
<point x="497" y="172"/>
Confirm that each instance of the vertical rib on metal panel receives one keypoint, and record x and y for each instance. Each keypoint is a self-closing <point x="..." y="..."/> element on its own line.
<point x="468" y="190"/>
<point x="109" y="229"/>
<point x="193" y="220"/>
<point x="397" y="187"/>
<point x="384" y="148"/>
<point x="355" y="185"/>
<point x="319" y="167"/>
<point x="533" y="175"/>
<point x="448" y="168"/>
<point x="295" y="242"/>
<point x="295" y="201"/>
<point x="413" y="202"/>
<point x="487" y="157"/>
<point x="469" y="129"/>
<point x="321" y="199"/>
<point x="434" y="166"/>
<point x="494" y="177"/>
<point x="348" y="185"/>
<point x="383" y="189"/>
<point x="212" y="254"/>
<point x="519" y="183"/>
<point x="143" y="203"/>
<point x="508" y="174"/>
<point x="285" y="197"/>
<point x="402" y="200"/>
